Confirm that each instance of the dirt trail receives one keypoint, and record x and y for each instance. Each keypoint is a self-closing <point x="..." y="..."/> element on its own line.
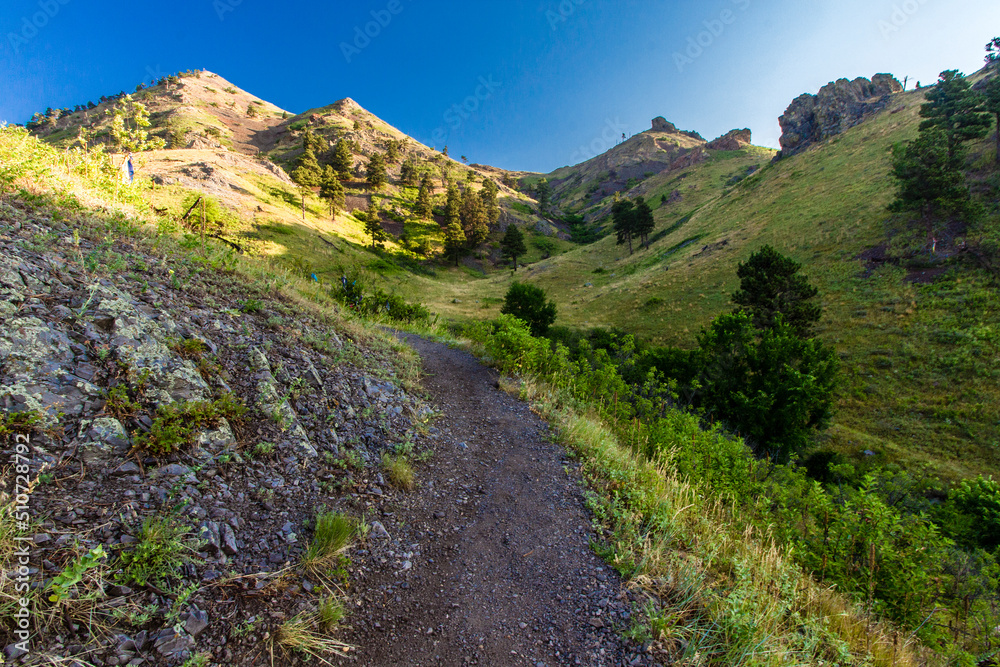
<point x="491" y="563"/>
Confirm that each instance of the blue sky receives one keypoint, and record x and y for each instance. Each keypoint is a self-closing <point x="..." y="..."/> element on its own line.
<point x="521" y="84"/>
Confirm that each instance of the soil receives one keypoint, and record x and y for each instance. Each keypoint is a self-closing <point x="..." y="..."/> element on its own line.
<point x="494" y="565"/>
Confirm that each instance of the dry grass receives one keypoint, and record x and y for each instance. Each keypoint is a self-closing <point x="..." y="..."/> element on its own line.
<point x="304" y="634"/>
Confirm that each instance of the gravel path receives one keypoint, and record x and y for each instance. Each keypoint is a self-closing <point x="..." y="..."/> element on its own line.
<point x="493" y="565"/>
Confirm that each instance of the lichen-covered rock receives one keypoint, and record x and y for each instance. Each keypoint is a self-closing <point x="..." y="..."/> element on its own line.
<point x="838" y="106"/>
<point x="31" y="348"/>
<point x="272" y="403"/>
<point x="140" y="343"/>
<point x="102" y="440"/>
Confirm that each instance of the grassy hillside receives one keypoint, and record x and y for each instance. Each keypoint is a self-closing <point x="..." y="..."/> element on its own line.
<point x="916" y="331"/>
<point x="239" y="149"/>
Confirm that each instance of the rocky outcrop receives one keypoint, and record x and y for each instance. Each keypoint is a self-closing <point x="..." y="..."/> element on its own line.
<point x="733" y="140"/>
<point x="661" y="124"/>
<point x="839" y="105"/>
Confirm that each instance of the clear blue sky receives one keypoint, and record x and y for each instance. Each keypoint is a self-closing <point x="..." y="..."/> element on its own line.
<point x="561" y="78"/>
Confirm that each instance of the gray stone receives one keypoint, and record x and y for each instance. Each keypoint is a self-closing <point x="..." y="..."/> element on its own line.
<point x="196" y="622"/>
<point x="174" y="644"/>
<point x="172" y="470"/>
<point x="210" y="533"/>
<point x="127" y="468"/>
<point x="12" y="652"/>
<point x="228" y="537"/>
<point x="378" y="531"/>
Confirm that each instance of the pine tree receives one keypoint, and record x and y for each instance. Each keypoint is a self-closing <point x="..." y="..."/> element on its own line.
<point x="422" y="208"/>
<point x="474" y="220"/>
<point x="393" y="147"/>
<point x="489" y="195"/>
<point x="377" y="175"/>
<point x="343" y="160"/>
<point x="408" y="173"/>
<point x="332" y="191"/>
<point x="929" y="178"/>
<point x="527" y="303"/>
<point x="993" y="102"/>
<point x="771" y="286"/>
<point x="543" y="191"/>
<point x="312" y="141"/>
<point x="624" y="220"/>
<point x="993" y="51"/>
<point x="644" y="222"/>
<point x="771" y="385"/>
<point x="453" y="207"/>
<point x="954" y="107"/>
<point x="373" y="226"/>
<point x="128" y="126"/>
<point x="308" y="174"/>
<point x="512" y="245"/>
<point x="454" y="242"/>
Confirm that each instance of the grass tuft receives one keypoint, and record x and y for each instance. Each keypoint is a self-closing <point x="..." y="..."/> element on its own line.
<point x="333" y="536"/>
<point x="400" y="471"/>
<point x="304" y="633"/>
<point x="162" y="548"/>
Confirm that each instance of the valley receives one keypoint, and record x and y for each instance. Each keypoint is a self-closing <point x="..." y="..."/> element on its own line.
<point x="273" y="258"/>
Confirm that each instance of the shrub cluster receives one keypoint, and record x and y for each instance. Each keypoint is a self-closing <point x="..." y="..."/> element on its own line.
<point x="375" y="302"/>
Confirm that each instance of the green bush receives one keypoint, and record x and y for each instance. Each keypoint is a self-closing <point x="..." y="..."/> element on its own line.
<point x="527" y="303"/>
<point x="770" y="385"/>
<point x="162" y="547"/>
<point x="175" y="424"/>
<point x="973" y="513"/>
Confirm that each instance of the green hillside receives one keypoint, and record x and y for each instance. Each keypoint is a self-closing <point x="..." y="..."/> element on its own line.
<point x="917" y="332"/>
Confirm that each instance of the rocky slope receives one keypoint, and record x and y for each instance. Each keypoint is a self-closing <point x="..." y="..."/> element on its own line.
<point x="117" y="347"/>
